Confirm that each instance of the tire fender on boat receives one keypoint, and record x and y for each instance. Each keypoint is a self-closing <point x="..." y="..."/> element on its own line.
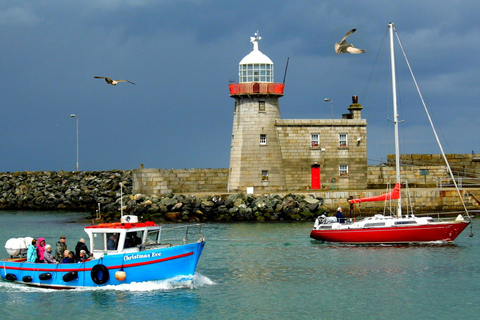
<point x="27" y="279"/>
<point x="67" y="277"/>
<point x="45" y="276"/>
<point x="10" y="277"/>
<point x="100" y="274"/>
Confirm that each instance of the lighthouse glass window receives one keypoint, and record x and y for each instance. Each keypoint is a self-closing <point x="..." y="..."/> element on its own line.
<point x="257" y="72"/>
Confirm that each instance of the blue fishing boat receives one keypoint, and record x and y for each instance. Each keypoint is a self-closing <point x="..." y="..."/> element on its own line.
<point x="124" y="252"/>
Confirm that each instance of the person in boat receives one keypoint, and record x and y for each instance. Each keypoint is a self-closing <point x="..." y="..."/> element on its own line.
<point x="48" y="255"/>
<point x="81" y="246"/>
<point x="41" y="250"/>
<point x="112" y="242"/>
<point x="68" y="257"/>
<point x="82" y="256"/>
<point x="132" y="240"/>
<point x="32" y="251"/>
<point x="340" y="216"/>
<point x="60" y="249"/>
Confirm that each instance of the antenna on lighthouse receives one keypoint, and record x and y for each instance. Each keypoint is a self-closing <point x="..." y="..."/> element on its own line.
<point x="286" y="67"/>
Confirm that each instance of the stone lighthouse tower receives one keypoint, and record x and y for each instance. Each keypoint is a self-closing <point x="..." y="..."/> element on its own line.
<point x="255" y="155"/>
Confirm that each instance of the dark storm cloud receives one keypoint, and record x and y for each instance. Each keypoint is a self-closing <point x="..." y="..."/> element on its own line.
<point x="182" y="54"/>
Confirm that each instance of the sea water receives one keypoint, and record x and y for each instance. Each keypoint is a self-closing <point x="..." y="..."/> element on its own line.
<point x="264" y="271"/>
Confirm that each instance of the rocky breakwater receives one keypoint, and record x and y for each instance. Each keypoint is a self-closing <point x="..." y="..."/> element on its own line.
<point x="87" y="191"/>
<point x="234" y="207"/>
<point x="63" y="190"/>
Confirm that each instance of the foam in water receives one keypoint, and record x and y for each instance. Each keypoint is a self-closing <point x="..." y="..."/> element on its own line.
<point x="178" y="282"/>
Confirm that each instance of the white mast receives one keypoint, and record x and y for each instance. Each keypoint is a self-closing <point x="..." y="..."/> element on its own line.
<point x="395" y="117"/>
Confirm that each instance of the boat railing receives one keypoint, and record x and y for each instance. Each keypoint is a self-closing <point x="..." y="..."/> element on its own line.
<point x="447" y="216"/>
<point x="182" y="234"/>
<point x="442" y="183"/>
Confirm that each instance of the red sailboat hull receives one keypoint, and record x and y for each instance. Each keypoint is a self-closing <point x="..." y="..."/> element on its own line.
<point x="444" y="232"/>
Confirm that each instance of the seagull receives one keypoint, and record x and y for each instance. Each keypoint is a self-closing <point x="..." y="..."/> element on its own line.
<point x="345" y="47"/>
<point x="113" y="82"/>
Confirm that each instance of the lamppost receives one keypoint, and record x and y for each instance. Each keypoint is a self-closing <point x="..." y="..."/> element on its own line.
<point x="75" y="116"/>
<point x="331" y="102"/>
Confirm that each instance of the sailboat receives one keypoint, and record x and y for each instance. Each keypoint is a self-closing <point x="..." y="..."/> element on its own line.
<point x="397" y="228"/>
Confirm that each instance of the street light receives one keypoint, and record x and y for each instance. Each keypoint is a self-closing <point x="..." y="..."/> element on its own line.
<point x="75" y="116"/>
<point x="331" y="102"/>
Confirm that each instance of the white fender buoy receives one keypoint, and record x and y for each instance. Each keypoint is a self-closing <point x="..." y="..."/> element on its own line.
<point x="120" y="275"/>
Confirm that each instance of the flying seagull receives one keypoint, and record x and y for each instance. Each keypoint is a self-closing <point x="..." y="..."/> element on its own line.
<point x="345" y="47"/>
<point x="113" y="82"/>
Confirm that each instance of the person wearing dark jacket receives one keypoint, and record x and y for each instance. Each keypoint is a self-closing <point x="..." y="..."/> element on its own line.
<point x="68" y="257"/>
<point x="60" y="249"/>
<point x="340" y="216"/>
<point x="82" y="257"/>
<point x="81" y="246"/>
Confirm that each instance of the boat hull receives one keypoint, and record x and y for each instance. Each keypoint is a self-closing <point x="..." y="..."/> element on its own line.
<point x="444" y="232"/>
<point x="148" y="265"/>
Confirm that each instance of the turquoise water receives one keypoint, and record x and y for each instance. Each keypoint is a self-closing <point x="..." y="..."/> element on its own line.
<point x="265" y="271"/>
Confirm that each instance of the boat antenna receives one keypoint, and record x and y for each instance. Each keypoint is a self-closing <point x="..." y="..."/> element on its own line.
<point x="286" y="67"/>
<point x="121" y="198"/>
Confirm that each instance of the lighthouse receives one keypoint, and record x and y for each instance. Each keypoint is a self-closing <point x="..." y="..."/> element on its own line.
<point x="255" y="154"/>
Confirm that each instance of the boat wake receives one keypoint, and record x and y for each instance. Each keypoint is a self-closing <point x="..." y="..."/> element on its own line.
<point x="179" y="282"/>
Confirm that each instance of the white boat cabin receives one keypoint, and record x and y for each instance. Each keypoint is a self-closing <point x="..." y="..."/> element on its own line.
<point x="127" y="236"/>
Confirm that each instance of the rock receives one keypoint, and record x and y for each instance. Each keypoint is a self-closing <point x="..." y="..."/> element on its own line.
<point x="173" y="216"/>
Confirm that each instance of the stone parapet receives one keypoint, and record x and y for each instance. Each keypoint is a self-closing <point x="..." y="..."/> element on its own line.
<point x="163" y="181"/>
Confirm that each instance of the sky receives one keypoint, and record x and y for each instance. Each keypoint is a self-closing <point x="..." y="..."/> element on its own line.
<point x="182" y="55"/>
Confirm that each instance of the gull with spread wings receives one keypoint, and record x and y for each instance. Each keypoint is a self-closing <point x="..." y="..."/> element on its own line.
<point x="111" y="81"/>
<point x="345" y="47"/>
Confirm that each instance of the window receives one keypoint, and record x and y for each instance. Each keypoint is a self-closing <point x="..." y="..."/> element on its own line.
<point x="112" y="241"/>
<point x="374" y="224"/>
<point x="342" y="140"/>
<point x="343" y="170"/>
<point x="264" y="175"/>
<point x="153" y="236"/>
<point x="258" y="72"/>
<point x="98" y="241"/>
<point x="405" y="222"/>
<point x="263" y="139"/>
<point x="133" y="239"/>
<point x="314" y="140"/>
<point x="261" y="106"/>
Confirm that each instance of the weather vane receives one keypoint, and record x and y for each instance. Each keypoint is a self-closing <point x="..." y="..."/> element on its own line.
<point x="255" y="40"/>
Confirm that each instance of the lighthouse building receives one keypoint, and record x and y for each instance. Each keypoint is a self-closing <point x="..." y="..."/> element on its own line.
<point x="270" y="154"/>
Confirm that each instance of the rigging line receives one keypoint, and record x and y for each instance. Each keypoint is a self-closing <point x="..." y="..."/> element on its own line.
<point x="431" y="124"/>
<point x="375" y="70"/>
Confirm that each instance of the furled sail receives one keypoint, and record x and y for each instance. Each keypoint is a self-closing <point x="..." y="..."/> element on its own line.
<point x="394" y="194"/>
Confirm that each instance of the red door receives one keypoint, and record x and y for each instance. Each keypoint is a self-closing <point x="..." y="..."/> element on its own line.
<point x="316" y="177"/>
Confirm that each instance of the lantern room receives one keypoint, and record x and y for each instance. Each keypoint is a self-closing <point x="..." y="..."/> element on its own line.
<point x="256" y="74"/>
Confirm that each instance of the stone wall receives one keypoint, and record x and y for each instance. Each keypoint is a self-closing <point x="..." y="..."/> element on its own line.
<point x="87" y="190"/>
<point x="299" y="155"/>
<point x="162" y="181"/>
<point x="421" y="199"/>
<point x="469" y="161"/>
<point x="379" y="177"/>
<point x="256" y="163"/>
